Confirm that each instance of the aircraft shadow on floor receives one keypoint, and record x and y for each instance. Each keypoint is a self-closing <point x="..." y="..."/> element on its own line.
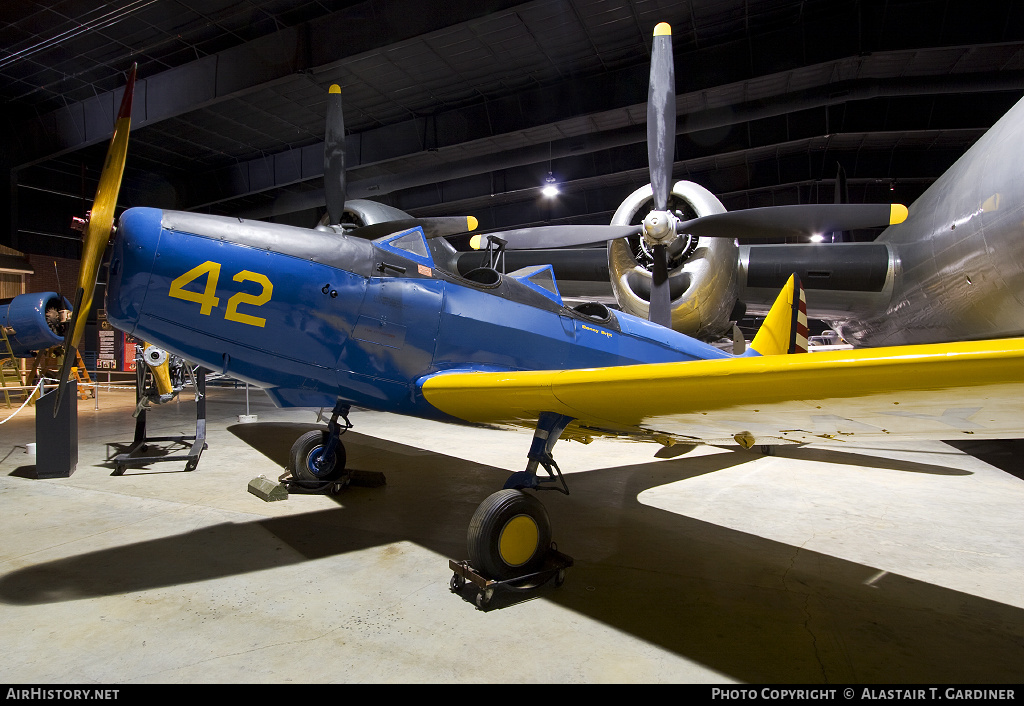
<point x="749" y="607"/>
<point x="864" y="459"/>
<point x="1004" y="454"/>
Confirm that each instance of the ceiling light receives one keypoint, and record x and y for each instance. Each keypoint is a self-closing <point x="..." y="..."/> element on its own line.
<point x="550" y="188"/>
<point x="817" y="238"/>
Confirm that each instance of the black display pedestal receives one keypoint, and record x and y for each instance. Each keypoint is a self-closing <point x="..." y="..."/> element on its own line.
<point x="57" y="437"/>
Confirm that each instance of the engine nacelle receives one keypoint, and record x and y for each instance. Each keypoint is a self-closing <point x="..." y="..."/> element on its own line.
<point x="702" y="272"/>
<point x="33" y="322"/>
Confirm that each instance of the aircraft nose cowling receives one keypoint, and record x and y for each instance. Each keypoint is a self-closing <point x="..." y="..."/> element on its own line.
<point x="31" y="321"/>
<point x="131" y="262"/>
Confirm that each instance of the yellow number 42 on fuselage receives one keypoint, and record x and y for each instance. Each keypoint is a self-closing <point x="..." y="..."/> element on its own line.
<point x="208" y="299"/>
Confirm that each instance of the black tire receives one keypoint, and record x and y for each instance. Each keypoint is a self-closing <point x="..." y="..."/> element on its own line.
<point x="304" y="450"/>
<point x="509" y="535"/>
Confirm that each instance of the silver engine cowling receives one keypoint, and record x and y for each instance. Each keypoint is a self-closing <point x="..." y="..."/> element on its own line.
<point x="702" y="272"/>
<point x="361" y="212"/>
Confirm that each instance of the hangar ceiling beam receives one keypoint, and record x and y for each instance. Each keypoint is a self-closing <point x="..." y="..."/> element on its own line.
<point x="239" y="70"/>
<point x="520" y="149"/>
<point x="801" y="171"/>
<point x="581" y="106"/>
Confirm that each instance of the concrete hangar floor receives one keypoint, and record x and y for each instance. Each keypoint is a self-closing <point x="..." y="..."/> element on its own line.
<point x="866" y="565"/>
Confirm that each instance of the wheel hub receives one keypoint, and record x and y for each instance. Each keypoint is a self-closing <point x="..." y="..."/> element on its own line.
<point x="518" y="541"/>
<point x="659" y="228"/>
<point x="317" y="463"/>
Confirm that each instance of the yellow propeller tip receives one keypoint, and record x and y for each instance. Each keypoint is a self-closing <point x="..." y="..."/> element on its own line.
<point x="335" y="88"/>
<point x="663" y="29"/>
<point x="472" y="223"/>
<point x="476" y="242"/>
<point x="897" y="213"/>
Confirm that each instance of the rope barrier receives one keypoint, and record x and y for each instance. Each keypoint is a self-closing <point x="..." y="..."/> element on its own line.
<point x="42" y="384"/>
<point x="106" y="386"/>
<point x="15" y="412"/>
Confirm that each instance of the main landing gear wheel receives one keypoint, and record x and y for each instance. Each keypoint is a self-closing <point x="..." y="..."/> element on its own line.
<point x="509" y="535"/>
<point x="306" y="464"/>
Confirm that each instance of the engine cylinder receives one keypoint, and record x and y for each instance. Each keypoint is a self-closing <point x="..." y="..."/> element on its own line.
<point x="702" y="273"/>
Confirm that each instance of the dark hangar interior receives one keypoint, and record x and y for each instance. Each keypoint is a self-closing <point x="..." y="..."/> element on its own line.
<point x="843" y="565"/>
<point x="457" y="107"/>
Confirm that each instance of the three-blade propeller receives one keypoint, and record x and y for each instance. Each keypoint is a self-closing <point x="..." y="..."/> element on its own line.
<point x="96" y="234"/>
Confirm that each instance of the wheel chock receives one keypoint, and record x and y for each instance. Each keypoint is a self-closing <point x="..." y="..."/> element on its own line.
<point x="290" y="484"/>
<point x="267" y="490"/>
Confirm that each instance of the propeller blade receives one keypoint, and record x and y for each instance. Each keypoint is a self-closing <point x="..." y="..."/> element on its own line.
<point x="97" y="232"/>
<point x="556" y="236"/>
<point x="434" y="227"/>
<point x="661" y="116"/>
<point x="440" y="226"/>
<point x="793" y="221"/>
<point x="334" y="156"/>
<point x="660" y="311"/>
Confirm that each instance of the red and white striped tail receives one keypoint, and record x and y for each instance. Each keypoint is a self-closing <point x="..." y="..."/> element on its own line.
<point x="799" y="331"/>
<point x="785" y="327"/>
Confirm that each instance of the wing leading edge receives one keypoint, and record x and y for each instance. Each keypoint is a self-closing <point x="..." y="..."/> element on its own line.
<point x="938" y="391"/>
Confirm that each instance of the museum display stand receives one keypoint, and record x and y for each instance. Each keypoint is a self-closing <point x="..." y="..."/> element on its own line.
<point x="138" y="453"/>
<point x="57" y="434"/>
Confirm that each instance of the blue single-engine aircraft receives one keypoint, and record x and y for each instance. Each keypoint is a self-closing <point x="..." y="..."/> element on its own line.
<point x="379" y="317"/>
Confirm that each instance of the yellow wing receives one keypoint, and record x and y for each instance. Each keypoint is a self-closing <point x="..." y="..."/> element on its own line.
<point x="940" y="391"/>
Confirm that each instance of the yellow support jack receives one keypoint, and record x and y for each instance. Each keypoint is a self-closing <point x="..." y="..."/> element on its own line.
<point x="85" y="389"/>
<point x="10" y="369"/>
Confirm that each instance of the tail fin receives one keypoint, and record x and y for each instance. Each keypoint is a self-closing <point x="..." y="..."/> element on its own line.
<point x="785" y="328"/>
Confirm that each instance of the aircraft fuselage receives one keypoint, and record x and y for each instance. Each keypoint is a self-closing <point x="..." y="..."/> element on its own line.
<point x="953" y="270"/>
<point x="312" y="316"/>
<point x="959" y="256"/>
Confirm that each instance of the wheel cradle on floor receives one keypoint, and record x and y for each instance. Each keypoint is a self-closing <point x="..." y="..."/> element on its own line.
<point x="509" y="535"/>
<point x="305" y="451"/>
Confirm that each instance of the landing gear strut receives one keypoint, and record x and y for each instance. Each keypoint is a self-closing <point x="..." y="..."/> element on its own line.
<point x="509" y="539"/>
<point x="549" y="427"/>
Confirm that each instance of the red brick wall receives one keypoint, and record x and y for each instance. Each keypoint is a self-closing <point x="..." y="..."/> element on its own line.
<point x="45" y="278"/>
